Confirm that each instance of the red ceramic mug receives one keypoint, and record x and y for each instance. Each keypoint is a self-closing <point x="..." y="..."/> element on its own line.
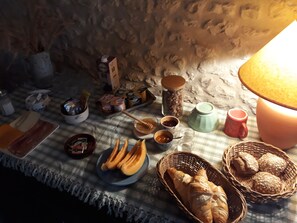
<point x="235" y="124"/>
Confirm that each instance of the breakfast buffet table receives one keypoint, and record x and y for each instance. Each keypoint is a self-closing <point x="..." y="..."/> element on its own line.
<point x="146" y="200"/>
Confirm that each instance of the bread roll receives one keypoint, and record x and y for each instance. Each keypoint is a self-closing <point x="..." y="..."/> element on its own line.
<point x="245" y="164"/>
<point x="267" y="183"/>
<point x="272" y="163"/>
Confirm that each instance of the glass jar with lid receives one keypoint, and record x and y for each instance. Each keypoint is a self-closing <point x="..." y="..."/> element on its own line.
<point x="172" y="95"/>
<point x="6" y="106"/>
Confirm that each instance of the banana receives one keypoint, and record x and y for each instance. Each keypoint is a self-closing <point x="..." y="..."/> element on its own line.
<point x="136" y="160"/>
<point x="112" y="155"/>
<point x="112" y="164"/>
<point x="129" y="154"/>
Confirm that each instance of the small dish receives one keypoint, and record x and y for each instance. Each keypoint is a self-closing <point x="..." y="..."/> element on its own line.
<point x="163" y="139"/>
<point x="170" y="123"/>
<point x="139" y="135"/>
<point x="144" y="130"/>
<point x="115" y="177"/>
<point x="80" y="146"/>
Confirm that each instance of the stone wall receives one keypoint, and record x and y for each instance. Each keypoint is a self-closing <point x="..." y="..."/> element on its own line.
<point x="205" y="41"/>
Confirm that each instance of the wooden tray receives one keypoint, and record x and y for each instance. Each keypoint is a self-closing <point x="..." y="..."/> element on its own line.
<point x="150" y="99"/>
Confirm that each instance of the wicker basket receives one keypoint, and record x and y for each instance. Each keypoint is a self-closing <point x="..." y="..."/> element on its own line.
<point x="191" y="163"/>
<point x="257" y="149"/>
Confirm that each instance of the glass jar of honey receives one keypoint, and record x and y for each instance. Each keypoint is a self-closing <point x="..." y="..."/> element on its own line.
<point x="172" y="95"/>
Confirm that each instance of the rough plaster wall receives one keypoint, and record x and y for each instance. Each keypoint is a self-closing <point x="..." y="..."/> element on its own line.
<point x="205" y="41"/>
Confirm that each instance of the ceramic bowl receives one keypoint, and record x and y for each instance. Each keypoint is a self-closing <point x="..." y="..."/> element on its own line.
<point x="170" y="123"/>
<point x="144" y="130"/>
<point x="163" y="139"/>
<point x="34" y="104"/>
<point x="76" y="119"/>
<point x="203" y="117"/>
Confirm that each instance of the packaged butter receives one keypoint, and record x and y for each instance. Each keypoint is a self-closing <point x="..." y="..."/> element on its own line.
<point x="108" y="73"/>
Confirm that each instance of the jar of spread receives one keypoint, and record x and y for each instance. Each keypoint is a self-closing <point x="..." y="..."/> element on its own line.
<point x="172" y="95"/>
<point x="6" y="106"/>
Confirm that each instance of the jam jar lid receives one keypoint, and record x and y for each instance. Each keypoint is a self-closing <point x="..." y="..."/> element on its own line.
<point x="173" y="82"/>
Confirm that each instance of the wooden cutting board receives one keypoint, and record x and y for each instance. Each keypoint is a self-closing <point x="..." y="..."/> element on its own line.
<point x="8" y="135"/>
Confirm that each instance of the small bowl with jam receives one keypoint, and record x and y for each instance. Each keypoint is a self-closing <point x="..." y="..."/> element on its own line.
<point x="170" y="123"/>
<point x="163" y="138"/>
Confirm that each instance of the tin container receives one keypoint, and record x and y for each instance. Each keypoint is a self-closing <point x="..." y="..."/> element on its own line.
<point x="132" y="99"/>
<point x="142" y="93"/>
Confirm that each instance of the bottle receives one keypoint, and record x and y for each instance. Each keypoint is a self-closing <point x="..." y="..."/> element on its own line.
<point x="172" y="95"/>
<point x="6" y="106"/>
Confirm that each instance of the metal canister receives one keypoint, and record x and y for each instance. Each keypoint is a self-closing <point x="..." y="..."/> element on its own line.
<point x="142" y="93"/>
<point x="132" y="99"/>
<point x="6" y="106"/>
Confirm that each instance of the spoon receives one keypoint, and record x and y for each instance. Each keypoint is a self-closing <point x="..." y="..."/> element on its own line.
<point x="145" y="124"/>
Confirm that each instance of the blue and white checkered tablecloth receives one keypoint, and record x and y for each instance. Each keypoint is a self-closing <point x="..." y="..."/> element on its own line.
<point x="146" y="200"/>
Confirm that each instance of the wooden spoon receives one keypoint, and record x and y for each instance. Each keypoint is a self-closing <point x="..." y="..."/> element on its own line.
<point x="145" y="124"/>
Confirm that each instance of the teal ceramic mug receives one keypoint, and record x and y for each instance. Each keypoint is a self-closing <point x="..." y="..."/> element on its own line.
<point x="204" y="117"/>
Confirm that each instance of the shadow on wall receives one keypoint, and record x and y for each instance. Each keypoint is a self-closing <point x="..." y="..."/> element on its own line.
<point x="12" y="74"/>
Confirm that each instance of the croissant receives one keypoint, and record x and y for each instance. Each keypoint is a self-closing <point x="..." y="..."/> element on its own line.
<point x="200" y="195"/>
<point x="207" y="201"/>
<point x="219" y="205"/>
<point x="180" y="181"/>
<point x="201" y="173"/>
<point x="195" y="194"/>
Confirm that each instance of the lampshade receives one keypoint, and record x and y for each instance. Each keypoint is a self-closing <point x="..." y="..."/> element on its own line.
<point x="272" y="72"/>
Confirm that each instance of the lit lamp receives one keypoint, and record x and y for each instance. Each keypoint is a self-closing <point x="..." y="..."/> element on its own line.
<point x="272" y="74"/>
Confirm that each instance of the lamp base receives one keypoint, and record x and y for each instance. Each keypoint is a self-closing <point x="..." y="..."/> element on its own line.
<point x="277" y="125"/>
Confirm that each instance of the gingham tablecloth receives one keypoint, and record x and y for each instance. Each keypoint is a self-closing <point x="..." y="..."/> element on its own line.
<point x="146" y="200"/>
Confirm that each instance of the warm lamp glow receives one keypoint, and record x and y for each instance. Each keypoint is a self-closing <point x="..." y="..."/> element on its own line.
<point x="277" y="125"/>
<point x="272" y="74"/>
